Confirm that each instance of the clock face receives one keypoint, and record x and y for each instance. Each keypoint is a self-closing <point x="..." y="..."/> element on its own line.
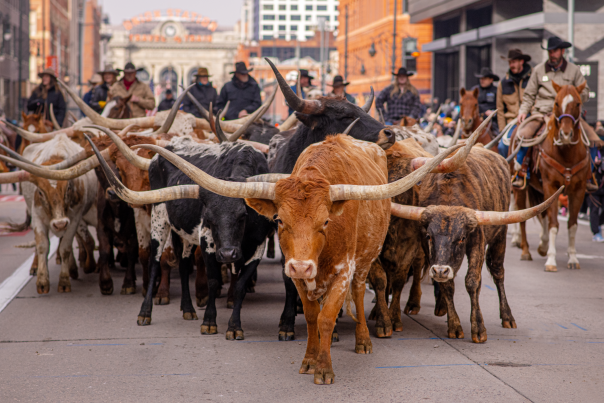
<point x="170" y="31"/>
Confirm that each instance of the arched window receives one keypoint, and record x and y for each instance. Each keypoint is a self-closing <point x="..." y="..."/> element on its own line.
<point x="191" y="75"/>
<point x="143" y="75"/>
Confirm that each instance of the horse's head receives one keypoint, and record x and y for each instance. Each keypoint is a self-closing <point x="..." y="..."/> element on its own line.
<point x="567" y="111"/>
<point x="468" y="108"/>
<point x="35" y="123"/>
<point x="121" y="110"/>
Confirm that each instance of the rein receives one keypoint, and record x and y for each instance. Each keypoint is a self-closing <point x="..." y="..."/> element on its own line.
<point x="567" y="173"/>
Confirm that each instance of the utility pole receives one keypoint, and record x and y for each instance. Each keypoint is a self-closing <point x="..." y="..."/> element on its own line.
<point x="394" y="40"/>
<point x="58" y="47"/>
<point x="322" y="53"/>
<point x="571" y="30"/>
<point x="346" y="47"/>
<point x="20" y="56"/>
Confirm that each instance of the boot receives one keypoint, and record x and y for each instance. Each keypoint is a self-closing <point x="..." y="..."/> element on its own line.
<point x="519" y="178"/>
<point x="591" y="187"/>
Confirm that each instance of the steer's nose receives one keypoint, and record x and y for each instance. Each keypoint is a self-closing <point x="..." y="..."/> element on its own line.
<point x="386" y="138"/>
<point x="59" y="224"/>
<point x="228" y="255"/>
<point x="111" y="195"/>
<point x="300" y="268"/>
<point x="441" y="273"/>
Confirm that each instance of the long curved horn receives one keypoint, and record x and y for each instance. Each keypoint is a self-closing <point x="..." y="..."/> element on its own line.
<point x="53" y="119"/>
<point x="13" y="177"/>
<point x="431" y="124"/>
<point x="298" y="85"/>
<point x="456" y="134"/>
<point x="148" y="197"/>
<point x="408" y="212"/>
<point x="239" y="132"/>
<point x="270" y="178"/>
<point x="350" y="126"/>
<point x="172" y="115"/>
<point x="225" y="110"/>
<point x="267" y="104"/>
<point x="202" y="111"/>
<point x="495" y="141"/>
<point x="379" y="192"/>
<point x="453" y="163"/>
<point x="37" y="137"/>
<point x="516" y="151"/>
<point x="290" y="122"/>
<point x="512" y="217"/>
<point x="137" y="161"/>
<point x="217" y="128"/>
<point x="381" y="117"/>
<point x="221" y="187"/>
<point x="367" y="106"/>
<point x="16" y="155"/>
<point x="298" y="104"/>
<point x="103" y="121"/>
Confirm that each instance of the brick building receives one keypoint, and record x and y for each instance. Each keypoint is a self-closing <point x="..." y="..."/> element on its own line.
<point x="91" y="60"/>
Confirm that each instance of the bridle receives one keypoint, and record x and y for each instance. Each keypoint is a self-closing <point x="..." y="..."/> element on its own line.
<point x="567" y="140"/>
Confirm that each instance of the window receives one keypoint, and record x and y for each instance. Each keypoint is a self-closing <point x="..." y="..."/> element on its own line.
<point x="336" y="8"/>
<point x="309" y="28"/>
<point x="308" y="8"/>
<point x="281" y="36"/>
<point x="308" y="17"/>
<point x="294" y="7"/>
<point x="281" y="7"/>
<point x="281" y="18"/>
<point x="267" y="7"/>
<point x="321" y="8"/>
<point x="267" y="27"/>
<point x="294" y="27"/>
<point x="295" y="18"/>
<point x="253" y="54"/>
<point x="267" y="37"/>
<point x="267" y="17"/>
<point x="324" y="16"/>
<point x="282" y="27"/>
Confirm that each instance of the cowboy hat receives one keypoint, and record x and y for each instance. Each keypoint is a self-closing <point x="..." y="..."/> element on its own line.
<point x="241" y="68"/>
<point x="202" y="72"/>
<point x="556" y="43"/>
<point x="338" y="81"/>
<point x="109" y="69"/>
<point x="516" y="54"/>
<point x="403" y="72"/>
<point x="48" y="71"/>
<point x="129" y="68"/>
<point x="486" y="72"/>
<point x="95" y="79"/>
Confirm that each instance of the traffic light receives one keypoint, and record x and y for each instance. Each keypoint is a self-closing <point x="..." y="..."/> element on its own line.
<point x="410" y="53"/>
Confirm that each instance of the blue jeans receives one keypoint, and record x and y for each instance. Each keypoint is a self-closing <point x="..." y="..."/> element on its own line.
<point x="502" y="148"/>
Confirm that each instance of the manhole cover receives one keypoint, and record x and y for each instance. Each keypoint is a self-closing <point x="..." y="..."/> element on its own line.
<point x="507" y="364"/>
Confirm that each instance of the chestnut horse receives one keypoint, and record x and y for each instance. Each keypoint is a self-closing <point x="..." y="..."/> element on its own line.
<point x="470" y="116"/>
<point x="562" y="159"/>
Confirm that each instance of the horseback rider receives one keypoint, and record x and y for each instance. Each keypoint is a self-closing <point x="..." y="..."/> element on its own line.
<point x="539" y="97"/>
<point x="487" y="93"/>
<point x="511" y="91"/>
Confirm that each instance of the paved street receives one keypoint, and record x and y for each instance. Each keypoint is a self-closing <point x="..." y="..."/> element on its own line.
<point x="83" y="346"/>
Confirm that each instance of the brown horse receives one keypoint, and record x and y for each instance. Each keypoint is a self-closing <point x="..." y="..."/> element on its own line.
<point x="470" y="116"/>
<point x="562" y="159"/>
<point x="121" y="109"/>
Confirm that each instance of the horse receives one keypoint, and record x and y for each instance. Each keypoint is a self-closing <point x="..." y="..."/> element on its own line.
<point x="120" y="109"/>
<point x="561" y="159"/>
<point x="470" y="117"/>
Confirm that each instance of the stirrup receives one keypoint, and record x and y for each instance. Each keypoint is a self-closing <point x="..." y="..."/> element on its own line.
<point x="518" y="183"/>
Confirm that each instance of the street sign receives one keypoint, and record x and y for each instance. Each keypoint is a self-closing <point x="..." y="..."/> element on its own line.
<point x="590" y="72"/>
<point x="52" y="62"/>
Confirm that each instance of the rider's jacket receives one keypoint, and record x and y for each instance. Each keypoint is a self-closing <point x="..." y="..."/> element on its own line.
<point x="539" y="94"/>
<point x="509" y="95"/>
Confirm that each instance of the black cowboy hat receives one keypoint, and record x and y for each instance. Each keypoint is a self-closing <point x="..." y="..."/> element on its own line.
<point x="241" y="68"/>
<point x="486" y="72"/>
<point x="338" y="81"/>
<point x="129" y="68"/>
<point x="516" y="54"/>
<point x="556" y="43"/>
<point x="403" y="72"/>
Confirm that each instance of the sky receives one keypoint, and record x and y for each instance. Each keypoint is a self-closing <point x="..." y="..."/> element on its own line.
<point x="225" y="12"/>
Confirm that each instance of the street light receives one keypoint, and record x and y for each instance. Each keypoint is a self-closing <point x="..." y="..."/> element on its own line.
<point x="372" y="49"/>
<point x="363" y="71"/>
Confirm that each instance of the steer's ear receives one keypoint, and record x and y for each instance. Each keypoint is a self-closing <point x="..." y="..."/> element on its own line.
<point x="263" y="207"/>
<point x="337" y="208"/>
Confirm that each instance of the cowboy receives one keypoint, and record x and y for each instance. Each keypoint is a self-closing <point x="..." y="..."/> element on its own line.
<point x="142" y="98"/>
<point x="243" y="92"/>
<point x="305" y="82"/>
<point x="100" y="93"/>
<point x="94" y="81"/>
<point x="46" y="94"/>
<point x="339" y="89"/>
<point x="539" y="97"/>
<point x="204" y="92"/>
<point x="487" y="91"/>
<point x="401" y="97"/>
<point x="511" y="90"/>
<point x="167" y="103"/>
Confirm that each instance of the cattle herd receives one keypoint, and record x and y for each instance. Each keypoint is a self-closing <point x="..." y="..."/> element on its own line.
<point x="351" y="200"/>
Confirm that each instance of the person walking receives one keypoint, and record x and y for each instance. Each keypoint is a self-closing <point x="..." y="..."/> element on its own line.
<point x="142" y="98"/>
<point x="401" y="98"/>
<point x="339" y="89"/>
<point x="204" y="92"/>
<point x="167" y="103"/>
<point x="243" y="92"/>
<point x="511" y="90"/>
<point x="100" y="94"/>
<point x="94" y="81"/>
<point x="46" y="94"/>
<point x="595" y="200"/>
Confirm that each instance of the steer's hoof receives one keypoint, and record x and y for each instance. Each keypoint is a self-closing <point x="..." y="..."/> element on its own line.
<point x="201" y="302"/>
<point x="128" y="290"/>
<point x="286" y="336"/>
<point x="441" y="308"/>
<point x="363" y="347"/>
<point x="335" y="337"/>
<point x="456" y="333"/>
<point x="324" y="376"/>
<point x="551" y="268"/>
<point x="526" y="256"/>
<point x="161" y="300"/>
<point x="251" y="289"/>
<point x="516" y="243"/>
<point x="509" y="324"/>
<point x="106" y="287"/>
<point x="542" y="250"/>
<point x="64" y="286"/>
<point x="308" y="366"/>
<point x="73" y="272"/>
<point x="412" y="309"/>
<point x="234" y="335"/>
<point x="479" y="337"/>
<point x="33" y="271"/>
<point x="43" y="288"/>
<point x="574" y="266"/>
<point x="300" y="309"/>
<point x="189" y="315"/>
<point x="230" y="304"/>
<point x="209" y="329"/>
<point x="143" y="320"/>
<point x="398" y="326"/>
<point x="383" y="331"/>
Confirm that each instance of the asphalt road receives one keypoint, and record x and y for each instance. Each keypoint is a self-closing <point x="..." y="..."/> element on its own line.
<point x="82" y="346"/>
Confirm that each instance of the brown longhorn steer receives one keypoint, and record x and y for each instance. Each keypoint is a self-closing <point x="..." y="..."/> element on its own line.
<point x="562" y="159"/>
<point x="470" y="117"/>
<point x="461" y="213"/>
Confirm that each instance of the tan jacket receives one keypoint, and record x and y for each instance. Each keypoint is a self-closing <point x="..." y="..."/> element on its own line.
<point x="509" y="97"/>
<point x="539" y="94"/>
<point x="141" y="90"/>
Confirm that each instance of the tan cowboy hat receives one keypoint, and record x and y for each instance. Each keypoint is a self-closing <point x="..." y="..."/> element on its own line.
<point x="202" y="72"/>
<point x="109" y="69"/>
<point x="95" y="79"/>
<point x="48" y="71"/>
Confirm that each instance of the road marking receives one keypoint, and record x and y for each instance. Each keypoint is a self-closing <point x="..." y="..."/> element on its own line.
<point x="582" y="328"/>
<point x="15" y="283"/>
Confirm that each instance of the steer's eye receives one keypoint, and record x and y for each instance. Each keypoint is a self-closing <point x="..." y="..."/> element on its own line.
<point x="277" y="219"/>
<point x="326" y="222"/>
<point x="462" y="240"/>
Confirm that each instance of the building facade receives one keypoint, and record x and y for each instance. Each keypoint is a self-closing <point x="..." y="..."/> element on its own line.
<point x="91" y="60"/>
<point x="287" y="19"/>
<point x="170" y="46"/>
<point x="469" y="35"/>
<point x="14" y="55"/>
<point x="365" y="48"/>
